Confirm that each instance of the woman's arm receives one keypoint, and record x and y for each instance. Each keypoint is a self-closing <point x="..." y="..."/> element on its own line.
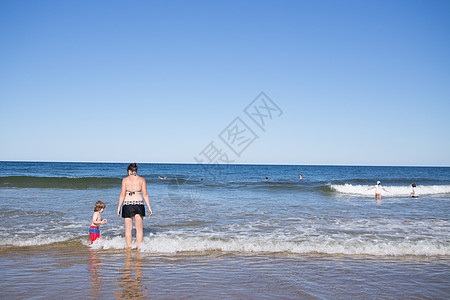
<point x="145" y="194"/>
<point x="121" y="197"/>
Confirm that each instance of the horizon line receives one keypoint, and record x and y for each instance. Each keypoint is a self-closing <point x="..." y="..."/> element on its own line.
<point x="236" y="164"/>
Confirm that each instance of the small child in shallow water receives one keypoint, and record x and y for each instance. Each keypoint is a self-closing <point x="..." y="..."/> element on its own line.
<point x="94" y="230"/>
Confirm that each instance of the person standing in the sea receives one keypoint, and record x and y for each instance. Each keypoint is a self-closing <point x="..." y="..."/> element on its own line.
<point x="94" y="231"/>
<point x="134" y="188"/>
<point x="378" y="189"/>
<point x="413" y="191"/>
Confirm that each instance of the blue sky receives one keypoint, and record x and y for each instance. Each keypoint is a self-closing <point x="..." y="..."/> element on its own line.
<point x="358" y="82"/>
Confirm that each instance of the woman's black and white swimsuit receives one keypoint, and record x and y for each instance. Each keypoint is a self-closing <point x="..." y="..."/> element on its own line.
<point x="133" y="204"/>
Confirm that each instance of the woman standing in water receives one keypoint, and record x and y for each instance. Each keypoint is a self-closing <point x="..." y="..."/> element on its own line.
<point x="133" y="188"/>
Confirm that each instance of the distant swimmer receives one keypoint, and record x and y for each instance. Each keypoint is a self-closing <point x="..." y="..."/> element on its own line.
<point x="162" y="178"/>
<point x="413" y="191"/>
<point x="378" y="189"/>
<point x="300" y="177"/>
<point x="267" y="178"/>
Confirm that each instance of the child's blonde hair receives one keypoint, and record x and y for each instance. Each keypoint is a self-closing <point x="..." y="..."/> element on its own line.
<point x="99" y="205"/>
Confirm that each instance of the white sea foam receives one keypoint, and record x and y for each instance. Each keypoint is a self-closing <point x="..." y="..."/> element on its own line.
<point x="392" y="191"/>
<point x="377" y="237"/>
<point x="35" y="241"/>
<point x="174" y="243"/>
<point x="107" y="243"/>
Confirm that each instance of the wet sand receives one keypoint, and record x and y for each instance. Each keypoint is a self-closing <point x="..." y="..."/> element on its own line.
<point x="75" y="271"/>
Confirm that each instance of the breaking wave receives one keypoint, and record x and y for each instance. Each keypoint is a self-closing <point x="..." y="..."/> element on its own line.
<point x="59" y="182"/>
<point x="392" y="191"/>
<point x="318" y="245"/>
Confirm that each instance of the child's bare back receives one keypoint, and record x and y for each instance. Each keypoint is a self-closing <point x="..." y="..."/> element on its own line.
<point x="97" y="219"/>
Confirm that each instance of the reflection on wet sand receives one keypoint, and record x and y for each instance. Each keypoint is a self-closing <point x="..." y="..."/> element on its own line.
<point x="130" y="282"/>
<point x="94" y="275"/>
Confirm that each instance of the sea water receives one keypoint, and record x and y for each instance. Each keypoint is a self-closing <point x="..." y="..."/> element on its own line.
<point x="234" y="231"/>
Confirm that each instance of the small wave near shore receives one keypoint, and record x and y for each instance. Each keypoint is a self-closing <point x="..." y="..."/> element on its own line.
<point x="160" y="244"/>
<point x="392" y="191"/>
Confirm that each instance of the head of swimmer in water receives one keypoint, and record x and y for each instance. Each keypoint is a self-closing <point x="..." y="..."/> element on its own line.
<point x="132" y="169"/>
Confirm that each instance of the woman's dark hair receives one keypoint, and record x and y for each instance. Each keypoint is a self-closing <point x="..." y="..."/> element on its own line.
<point x="132" y="167"/>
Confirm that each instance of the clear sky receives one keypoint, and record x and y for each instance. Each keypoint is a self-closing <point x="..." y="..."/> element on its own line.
<point x="358" y="82"/>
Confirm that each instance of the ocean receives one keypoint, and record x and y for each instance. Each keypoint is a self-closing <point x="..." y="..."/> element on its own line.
<point x="226" y="231"/>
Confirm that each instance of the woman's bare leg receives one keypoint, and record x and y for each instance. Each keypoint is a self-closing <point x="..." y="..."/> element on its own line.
<point x="138" y="222"/>
<point x="128" y="231"/>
